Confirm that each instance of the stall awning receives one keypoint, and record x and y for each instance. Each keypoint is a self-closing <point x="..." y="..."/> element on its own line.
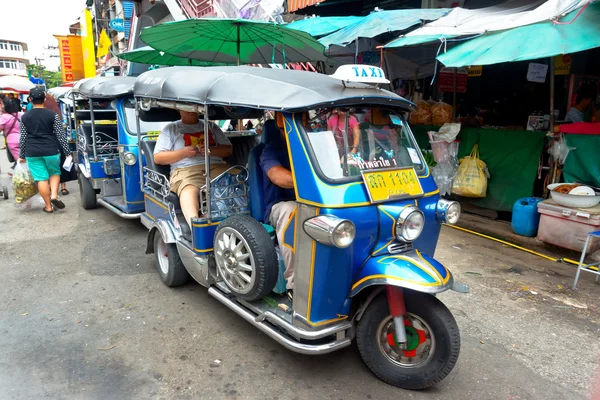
<point x="577" y="31"/>
<point x="379" y="22"/>
<point x="507" y="15"/>
<point x="295" y="5"/>
<point x="320" y="26"/>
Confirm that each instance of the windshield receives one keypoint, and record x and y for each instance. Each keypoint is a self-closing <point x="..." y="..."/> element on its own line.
<point x="145" y="127"/>
<point x="376" y="139"/>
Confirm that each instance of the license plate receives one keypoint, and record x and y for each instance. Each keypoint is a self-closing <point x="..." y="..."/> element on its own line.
<point x="383" y="185"/>
<point x="153" y="135"/>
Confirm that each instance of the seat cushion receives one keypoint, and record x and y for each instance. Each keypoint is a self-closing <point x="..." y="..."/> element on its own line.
<point x="255" y="178"/>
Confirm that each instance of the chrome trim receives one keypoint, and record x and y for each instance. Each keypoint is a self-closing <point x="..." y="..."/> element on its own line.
<point x="287" y="342"/>
<point x="404" y="284"/>
<point x="197" y="267"/>
<point x="442" y="207"/>
<point x="165" y="230"/>
<point x="402" y="247"/>
<point x="402" y="217"/>
<point x="118" y="211"/>
<point x="84" y="170"/>
<point x="300" y="333"/>
<point x="146" y="221"/>
<point x="322" y="228"/>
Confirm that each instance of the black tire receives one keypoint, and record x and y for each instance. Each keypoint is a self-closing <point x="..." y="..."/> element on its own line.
<point x="443" y="329"/>
<point x="87" y="193"/>
<point x="259" y="245"/>
<point x="5" y="192"/>
<point x="174" y="273"/>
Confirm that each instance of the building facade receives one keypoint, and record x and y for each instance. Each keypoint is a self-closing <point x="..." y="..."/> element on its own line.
<point x="13" y="60"/>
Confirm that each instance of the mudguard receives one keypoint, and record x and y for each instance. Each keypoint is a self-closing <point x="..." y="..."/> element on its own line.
<point x="412" y="270"/>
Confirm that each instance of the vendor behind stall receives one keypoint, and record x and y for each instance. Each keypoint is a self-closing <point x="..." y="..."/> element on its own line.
<point x="585" y="100"/>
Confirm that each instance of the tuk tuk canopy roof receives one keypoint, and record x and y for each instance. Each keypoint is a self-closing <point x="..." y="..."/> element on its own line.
<point x="105" y="87"/>
<point x="274" y="89"/>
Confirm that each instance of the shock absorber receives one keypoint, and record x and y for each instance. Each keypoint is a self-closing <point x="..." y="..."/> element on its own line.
<point x="398" y="310"/>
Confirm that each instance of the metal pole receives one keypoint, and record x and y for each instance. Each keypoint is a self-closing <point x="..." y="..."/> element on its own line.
<point x="91" y="102"/>
<point x="346" y="143"/>
<point x="454" y="98"/>
<point x="207" y="162"/>
<point x="240" y="124"/>
<point x="551" y="124"/>
<point x="139" y="138"/>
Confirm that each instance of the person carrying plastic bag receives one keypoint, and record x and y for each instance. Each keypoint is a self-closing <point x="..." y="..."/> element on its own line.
<point x="23" y="184"/>
<point x="471" y="176"/>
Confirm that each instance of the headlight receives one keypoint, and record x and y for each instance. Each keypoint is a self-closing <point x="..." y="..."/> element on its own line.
<point x="331" y="230"/>
<point x="410" y="224"/>
<point x="448" y="212"/>
<point x="129" y="158"/>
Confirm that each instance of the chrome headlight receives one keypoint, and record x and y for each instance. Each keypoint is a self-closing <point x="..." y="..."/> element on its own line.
<point x="448" y="212"/>
<point x="331" y="230"/>
<point x="410" y="224"/>
<point x="129" y="158"/>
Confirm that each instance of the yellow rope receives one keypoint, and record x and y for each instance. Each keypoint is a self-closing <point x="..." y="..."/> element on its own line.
<point x="521" y="248"/>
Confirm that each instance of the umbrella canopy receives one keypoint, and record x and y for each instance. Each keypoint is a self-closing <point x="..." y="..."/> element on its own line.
<point x="379" y="22"/>
<point x="16" y="84"/>
<point x="320" y="26"/>
<point x="148" y="55"/>
<point x="233" y="41"/>
<point x="541" y="40"/>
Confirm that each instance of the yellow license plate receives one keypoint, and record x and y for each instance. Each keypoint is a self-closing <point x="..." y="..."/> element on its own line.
<point x="392" y="184"/>
<point x="153" y="135"/>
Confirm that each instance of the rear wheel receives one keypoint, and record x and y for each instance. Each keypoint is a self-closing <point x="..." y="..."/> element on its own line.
<point x="432" y="335"/>
<point x="4" y="192"/>
<point x="170" y="267"/>
<point x="87" y="193"/>
<point x="246" y="258"/>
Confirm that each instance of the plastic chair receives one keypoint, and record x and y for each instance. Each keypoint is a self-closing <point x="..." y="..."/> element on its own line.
<point x="586" y="268"/>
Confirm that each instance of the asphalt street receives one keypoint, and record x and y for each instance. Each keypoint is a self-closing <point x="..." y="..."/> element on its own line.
<point x="83" y="315"/>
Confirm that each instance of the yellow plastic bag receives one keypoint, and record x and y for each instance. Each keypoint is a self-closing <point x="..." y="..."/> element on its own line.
<point x="471" y="176"/>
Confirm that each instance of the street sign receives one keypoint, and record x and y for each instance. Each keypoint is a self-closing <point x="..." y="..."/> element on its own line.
<point x="117" y="24"/>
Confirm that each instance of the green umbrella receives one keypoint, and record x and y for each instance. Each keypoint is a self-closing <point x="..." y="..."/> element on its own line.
<point x="530" y="42"/>
<point x="233" y="41"/>
<point x="148" y="55"/>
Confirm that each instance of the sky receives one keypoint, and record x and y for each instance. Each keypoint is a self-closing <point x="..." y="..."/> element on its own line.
<point x="35" y="21"/>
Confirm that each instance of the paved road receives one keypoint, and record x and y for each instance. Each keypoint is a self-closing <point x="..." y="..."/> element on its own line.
<point x="83" y="315"/>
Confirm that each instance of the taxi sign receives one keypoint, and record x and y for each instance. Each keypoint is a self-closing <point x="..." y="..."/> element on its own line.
<point x="360" y="73"/>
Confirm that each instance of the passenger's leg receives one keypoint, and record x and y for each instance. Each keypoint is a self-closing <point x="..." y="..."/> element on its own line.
<point x="279" y="218"/>
<point x="189" y="198"/>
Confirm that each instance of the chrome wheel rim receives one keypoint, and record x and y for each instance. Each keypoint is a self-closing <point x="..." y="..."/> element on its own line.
<point x="163" y="256"/>
<point x="235" y="261"/>
<point x="421" y="342"/>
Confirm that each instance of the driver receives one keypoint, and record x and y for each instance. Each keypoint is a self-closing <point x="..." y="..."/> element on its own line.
<point x="279" y="196"/>
<point x="181" y="145"/>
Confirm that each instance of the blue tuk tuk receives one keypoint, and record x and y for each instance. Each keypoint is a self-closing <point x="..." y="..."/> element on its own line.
<point x="363" y="233"/>
<point x="107" y="131"/>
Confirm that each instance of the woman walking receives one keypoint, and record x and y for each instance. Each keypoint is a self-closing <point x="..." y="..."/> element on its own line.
<point x="10" y="124"/>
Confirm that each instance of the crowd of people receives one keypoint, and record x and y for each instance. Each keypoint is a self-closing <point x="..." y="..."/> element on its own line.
<point x="33" y="133"/>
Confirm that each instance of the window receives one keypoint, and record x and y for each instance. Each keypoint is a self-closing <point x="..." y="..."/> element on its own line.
<point x="145" y="127"/>
<point x="3" y="45"/>
<point x="378" y="139"/>
<point x="15" y="46"/>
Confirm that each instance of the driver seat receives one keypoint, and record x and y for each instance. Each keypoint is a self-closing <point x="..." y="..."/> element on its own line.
<point x="256" y="175"/>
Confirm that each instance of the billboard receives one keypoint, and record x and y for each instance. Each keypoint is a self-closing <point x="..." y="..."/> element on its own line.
<point x="71" y="57"/>
<point x="87" y="45"/>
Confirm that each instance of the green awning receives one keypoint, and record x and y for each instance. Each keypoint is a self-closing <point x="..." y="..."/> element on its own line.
<point x="573" y="33"/>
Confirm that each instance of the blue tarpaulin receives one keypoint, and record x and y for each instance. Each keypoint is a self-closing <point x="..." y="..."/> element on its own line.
<point x="379" y="22"/>
<point x="320" y="26"/>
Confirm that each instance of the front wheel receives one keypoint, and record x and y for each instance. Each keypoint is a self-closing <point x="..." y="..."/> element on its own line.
<point x="432" y="335"/>
<point x="87" y="193"/>
<point x="170" y="267"/>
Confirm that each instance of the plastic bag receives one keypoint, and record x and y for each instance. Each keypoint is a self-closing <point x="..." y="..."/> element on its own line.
<point x="471" y="176"/>
<point x="23" y="184"/>
<point x="441" y="113"/>
<point x="443" y="174"/>
<point x="422" y="116"/>
<point x="559" y="150"/>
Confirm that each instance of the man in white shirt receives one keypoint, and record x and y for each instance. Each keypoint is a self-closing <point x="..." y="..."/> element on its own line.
<point x="181" y="145"/>
<point x="585" y="99"/>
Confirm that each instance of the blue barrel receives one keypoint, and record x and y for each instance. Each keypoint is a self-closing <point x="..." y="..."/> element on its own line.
<point x="525" y="217"/>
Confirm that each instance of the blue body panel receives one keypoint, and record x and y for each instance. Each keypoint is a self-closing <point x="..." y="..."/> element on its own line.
<point x="154" y="208"/>
<point x="203" y="236"/>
